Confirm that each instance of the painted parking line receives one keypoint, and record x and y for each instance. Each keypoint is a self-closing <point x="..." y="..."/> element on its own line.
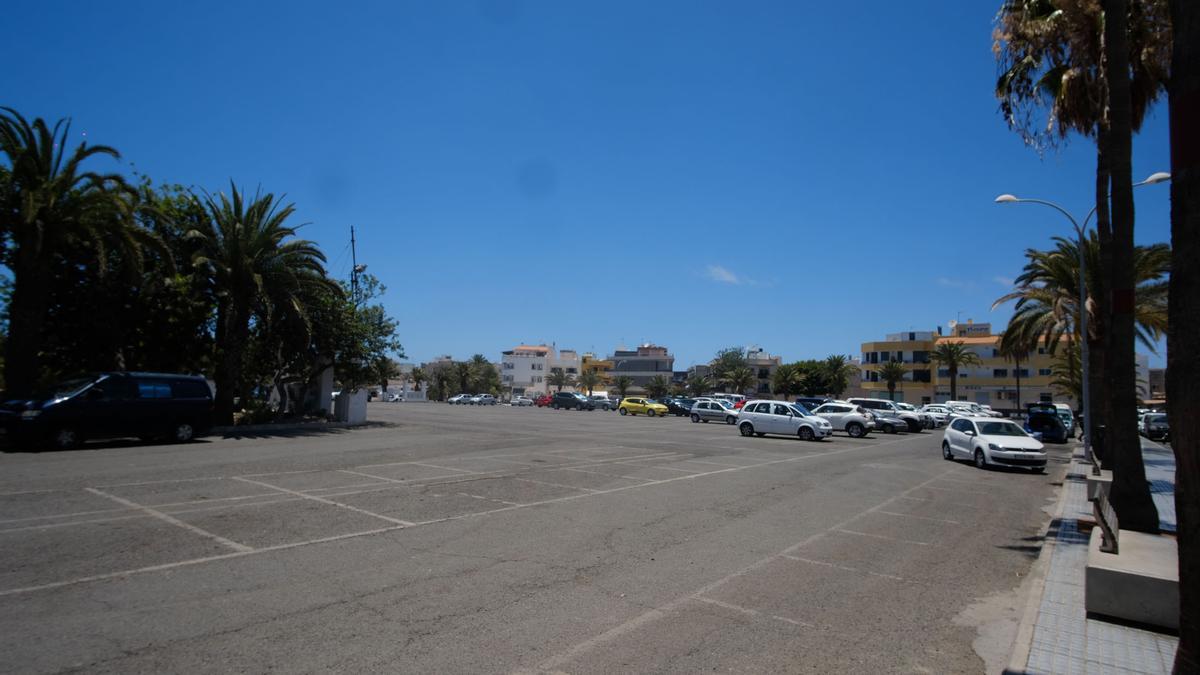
<point x="846" y="568"/>
<point x="751" y="612"/>
<point x="403" y="523"/>
<point x="174" y="521"/>
<point x="546" y="482"/>
<point x="881" y="536"/>
<point x="909" y="515"/>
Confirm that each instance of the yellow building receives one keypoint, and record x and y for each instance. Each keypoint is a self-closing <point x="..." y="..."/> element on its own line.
<point x="601" y="367"/>
<point x="993" y="382"/>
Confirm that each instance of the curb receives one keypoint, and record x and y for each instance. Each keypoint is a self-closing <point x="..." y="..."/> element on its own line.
<point x="1023" y="643"/>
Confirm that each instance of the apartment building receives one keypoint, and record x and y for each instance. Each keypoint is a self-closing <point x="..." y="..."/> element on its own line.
<point x="764" y="366"/>
<point x="993" y="382"/>
<point x="523" y="369"/>
<point x="642" y="364"/>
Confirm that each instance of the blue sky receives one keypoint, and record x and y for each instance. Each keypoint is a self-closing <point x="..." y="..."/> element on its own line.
<point x="802" y="176"/>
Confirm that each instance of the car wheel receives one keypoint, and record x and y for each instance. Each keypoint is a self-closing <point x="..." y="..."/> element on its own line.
<point x="695" y="418"/>
<point x="980" y="459"/>
<point x="805" y="433"/>
<point x="731" y="420"/>
<point x="855" y="430"/>
<point x="650" y="413"/>
<point x="183" y="433"/>
<point x="760" y="434"/>
<point x="889" y="429"/>
<point x="946" y="454"/>
<point x="747" y="429"/>
<point x="65" y="438"/>
<point x="623" y="411"/>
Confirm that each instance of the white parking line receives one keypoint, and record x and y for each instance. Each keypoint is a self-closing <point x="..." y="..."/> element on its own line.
<point x="561" y="485"/>
<point x="909" y="515"/>
<point x="751" y="612"/>
<point x="841" y="567"/>
<point x="174" y="521"/>
<point x="160" y="482"/>
<point x="331" y="502"/>
<point x="881" y="536"/>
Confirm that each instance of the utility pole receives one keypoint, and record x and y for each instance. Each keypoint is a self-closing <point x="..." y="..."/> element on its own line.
<point x="353" y="267"/>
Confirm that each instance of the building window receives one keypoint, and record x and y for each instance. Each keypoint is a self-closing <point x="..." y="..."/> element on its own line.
<point x="763" y="373"/>
<point x="884" y="357"/>
<point x="920" y="357"/>
<point x="1043" y="371"/>
<point x="920" y="376"/>
<point x="943" y="372"/>
<point x="912" y="337"/>
<point x="900" y="356"/>
<point x="1000" y="372"/>
<point x="995" y="353"/>
<point x="1023" y="372"/>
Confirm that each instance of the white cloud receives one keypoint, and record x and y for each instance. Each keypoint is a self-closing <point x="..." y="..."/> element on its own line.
<point x="722" y="275"/>
<point x="955" y="283"/>
<point x="1003" y="281"/>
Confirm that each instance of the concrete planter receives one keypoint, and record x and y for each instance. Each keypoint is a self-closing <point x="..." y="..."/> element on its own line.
<point x="351" y="407"/>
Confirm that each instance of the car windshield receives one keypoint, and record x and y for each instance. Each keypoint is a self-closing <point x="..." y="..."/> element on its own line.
<point x="905" y="406"/>
<point x="801" y="410"/>
<point x="1157" y="419"/>
<point x="1001" y="429"/>
<point x="65" y="389"/>
<point x="725" y="404"/>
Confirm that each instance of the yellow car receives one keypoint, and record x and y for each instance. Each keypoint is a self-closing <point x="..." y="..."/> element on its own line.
<point x="635" y="406"/>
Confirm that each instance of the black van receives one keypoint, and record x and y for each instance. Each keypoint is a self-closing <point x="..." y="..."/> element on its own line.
<point x="112" y="405"/>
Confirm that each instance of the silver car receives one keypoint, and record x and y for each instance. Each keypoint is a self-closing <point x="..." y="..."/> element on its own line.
<point x="521" y="401"/>
<point x="714" y="410"/>
<point x="847" y="417"/>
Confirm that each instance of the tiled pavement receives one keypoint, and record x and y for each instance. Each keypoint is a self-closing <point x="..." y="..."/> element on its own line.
<point x="1065" y="640"/>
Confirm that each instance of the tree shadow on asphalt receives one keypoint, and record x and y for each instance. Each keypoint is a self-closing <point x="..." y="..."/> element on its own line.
<point x="232" y="434"/>
<point x="1030" y="550"/>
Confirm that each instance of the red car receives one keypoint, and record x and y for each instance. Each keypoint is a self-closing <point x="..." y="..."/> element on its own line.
<point x="739" y="404"/>
<point x="543" y="400"/>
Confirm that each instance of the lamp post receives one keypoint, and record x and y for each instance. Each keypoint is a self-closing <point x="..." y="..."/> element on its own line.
<point x="1080" y="232"/>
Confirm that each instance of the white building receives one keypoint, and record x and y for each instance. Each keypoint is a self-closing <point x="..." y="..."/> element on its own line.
<point x="524" y="369"/>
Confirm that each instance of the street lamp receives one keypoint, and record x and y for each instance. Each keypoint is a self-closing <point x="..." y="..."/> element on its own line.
<point x="1080" y="231"/>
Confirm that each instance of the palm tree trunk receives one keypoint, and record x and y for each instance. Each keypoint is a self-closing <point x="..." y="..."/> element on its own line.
<point x="1183" y="363"/>
<point x="1130" y="492"/>
<point x="26" y="316"/>
<point x="1017" y="362"/>
<point x="233" y="327"/>
<point x="1098" y="343"/>
<point x="953" y="383"/>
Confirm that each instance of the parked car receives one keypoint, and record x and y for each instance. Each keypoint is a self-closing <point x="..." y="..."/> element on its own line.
<point x="641" y="406"/>
<point x="1154" y="426"/>
<point x="459" y="399"/>
<point x="989" y="441"/>
<point x="483" y="399"/>
<point x="394" y="397"/>
<point x="977" y="409"/>
<point x="1049" y="425"/>
<point x="884" y="408"/>
<point x="602" y="402"/>
<point x="679" y="407"/>
<point x="570" y="400"/>
<point x="855" y="420"/>
<point x="521" y="401"/>
<point x="941" y="414"/>
<point x="543" y="400"/>
<point x="111" y="405"/>
<point x="927" y="421"/>
<point x="758" y="418"/>
<point x="812" y="402"/>
<point x="713" y="410"/>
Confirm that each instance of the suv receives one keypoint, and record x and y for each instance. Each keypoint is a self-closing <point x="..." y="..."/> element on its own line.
<point x="603" y="402"/>
<point x="852" y="419"/>
<point x="706" y="410"/>
<point x="758" y="418"/>
<point x="569" y="400"/>
<point x="890" y="409"/>
<point x="483" y="399"/>
<point x="112" y="405"/>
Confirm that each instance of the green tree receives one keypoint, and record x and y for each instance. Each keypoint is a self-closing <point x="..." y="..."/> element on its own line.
<point x="49" y="202"/>
<point x="726" y="362"/>
<point x="699" y="385"/>
<point x="1066" y="370"/>
<point x="657" y="386"/>
<point x="588" y="380"/>
<point x="740" y="379"/>
<point x="954" y="355"/>
<point x="417" y="377"/>
<point x="891" y="373"/>
<point x="785" y="381"/>
<point x="838" y="370"/>
<point x="622" y="384"/>
<point x="485" y="379"/>
<point x="256" y="268"/>
<point x="559" y="378"/>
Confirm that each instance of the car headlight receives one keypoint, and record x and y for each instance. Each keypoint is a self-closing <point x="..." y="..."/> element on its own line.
<point x="993" y="446"/>
<point x="30" y="414"/>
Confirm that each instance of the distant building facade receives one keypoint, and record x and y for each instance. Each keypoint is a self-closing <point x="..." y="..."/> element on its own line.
<point x="642" y="364"/>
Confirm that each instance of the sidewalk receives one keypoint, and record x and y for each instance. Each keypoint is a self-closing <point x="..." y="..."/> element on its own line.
<point x="1064" y="639"/>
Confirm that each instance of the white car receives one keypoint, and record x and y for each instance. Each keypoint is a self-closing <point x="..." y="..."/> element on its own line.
<point x="975" y="409"/>
<point x="459" y="399"/>
<point x="847" y="417"/>
<point x="395" y="397"/>
<point x="928" y="421"/>
<point x="777" y="417"/>
<point x="941" y="414"/>
<point x="483" y="399"/>
<point x="521" y="401"/>
<point x="991" y="442"/>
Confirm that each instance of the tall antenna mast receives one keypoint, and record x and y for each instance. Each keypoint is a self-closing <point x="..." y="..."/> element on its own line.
<point x="353" y="266"/>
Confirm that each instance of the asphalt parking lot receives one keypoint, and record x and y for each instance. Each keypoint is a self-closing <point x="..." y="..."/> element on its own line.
<point x="466" y="539"/>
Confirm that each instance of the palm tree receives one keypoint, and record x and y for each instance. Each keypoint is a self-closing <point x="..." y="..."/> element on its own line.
<point x="954" y="355"/>
<point x="48" y="202"/>
<point x="838" y="371"/>
<point x="786" y="380"/>
<point x="740" y="379"/>
<point x="657" y="386"/>
<point x="588" y="380"/>
<point x="698" y="385"/>
<point x="622" y="384"/>
<point x="560" y="378"/>
<point x="417" y="376"/>
<point x="1067" y="370"/>
<point x="892" y="372"/>
<point x="256" y="268"/>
